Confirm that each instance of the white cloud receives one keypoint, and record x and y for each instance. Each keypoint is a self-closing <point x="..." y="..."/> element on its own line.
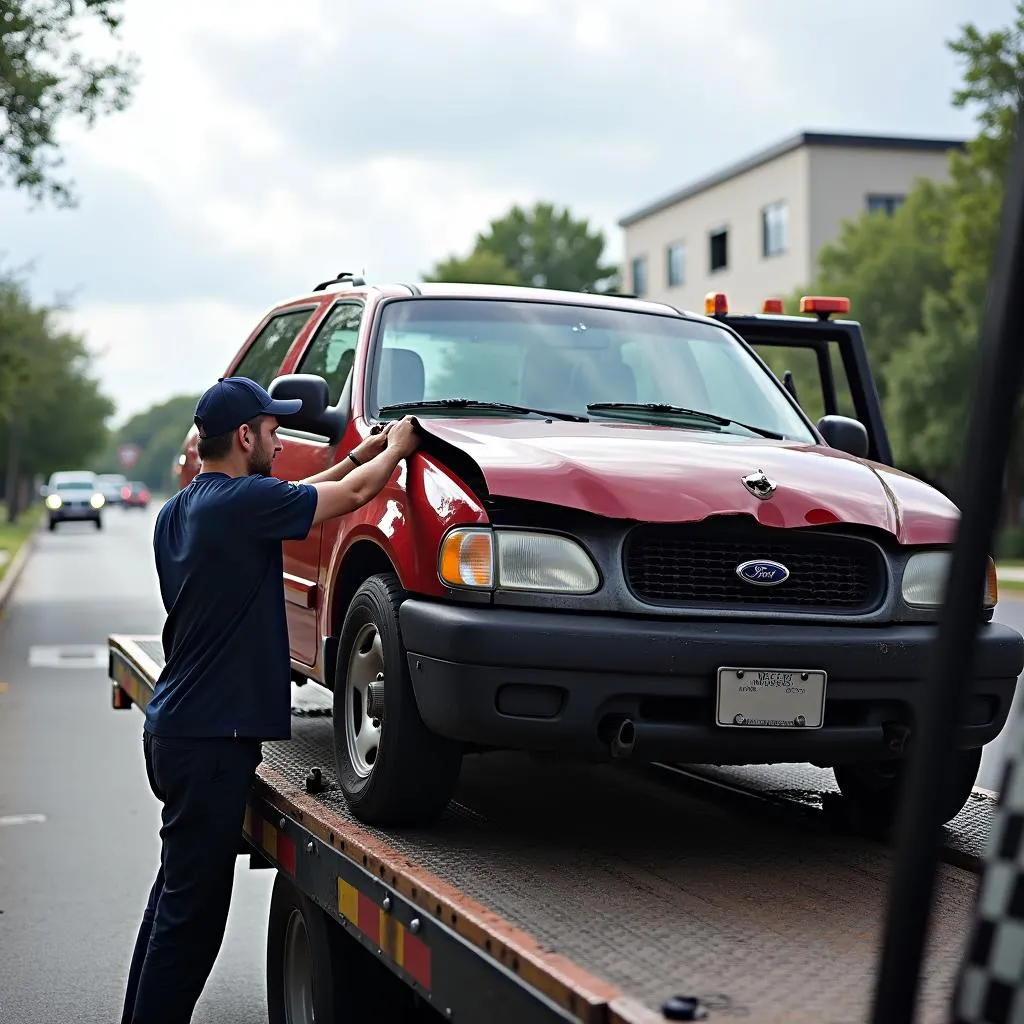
<point x="271" y="145"/>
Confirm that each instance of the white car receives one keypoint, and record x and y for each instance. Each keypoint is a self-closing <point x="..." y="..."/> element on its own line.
<point x="74" y="496"/>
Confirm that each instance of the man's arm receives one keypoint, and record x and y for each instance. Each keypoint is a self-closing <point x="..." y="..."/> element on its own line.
<point x="367" y="449"/>
<point x="363" y="483"/>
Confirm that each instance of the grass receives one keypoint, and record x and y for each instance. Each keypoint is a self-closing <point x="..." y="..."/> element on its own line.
<point x="13" y="535"/>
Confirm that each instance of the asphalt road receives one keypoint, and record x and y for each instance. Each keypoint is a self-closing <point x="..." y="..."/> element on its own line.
<point x="78" y="825"/>
<point x="73" y="886"/>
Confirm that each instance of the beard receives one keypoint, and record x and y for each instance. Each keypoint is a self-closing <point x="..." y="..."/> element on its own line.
<point x="260" y="463"/>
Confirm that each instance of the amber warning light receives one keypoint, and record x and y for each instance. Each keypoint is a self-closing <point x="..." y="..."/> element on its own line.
<point x="716" y="304"/>
<point x="823" y="305"/>
<point x="771" y="306"/>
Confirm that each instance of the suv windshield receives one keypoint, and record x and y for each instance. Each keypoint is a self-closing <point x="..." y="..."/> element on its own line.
<point x="566" y="358"/>
<point x="74" y="484"/>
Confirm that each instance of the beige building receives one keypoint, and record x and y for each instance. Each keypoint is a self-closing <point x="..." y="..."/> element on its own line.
<point x="755" y="229"/>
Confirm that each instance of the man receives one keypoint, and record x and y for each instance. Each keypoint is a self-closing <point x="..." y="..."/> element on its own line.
<point x="226" y="684"/>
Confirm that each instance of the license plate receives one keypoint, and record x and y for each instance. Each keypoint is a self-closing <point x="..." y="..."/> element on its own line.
<point x="761" y="698"/>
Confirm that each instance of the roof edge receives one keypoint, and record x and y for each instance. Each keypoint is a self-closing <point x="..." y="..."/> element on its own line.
<point x="779" y="149"/>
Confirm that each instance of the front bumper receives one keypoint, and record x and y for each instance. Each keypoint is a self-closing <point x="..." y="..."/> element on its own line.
<point x="542" y="680"/>
<point x="67" y="513"/>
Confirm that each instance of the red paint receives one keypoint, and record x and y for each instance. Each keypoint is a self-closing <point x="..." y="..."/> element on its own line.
<point x="286" y="854"/>
<point x="416" y="959"/>
<point x="618" y="470"/>
<point x="369" y="918"/>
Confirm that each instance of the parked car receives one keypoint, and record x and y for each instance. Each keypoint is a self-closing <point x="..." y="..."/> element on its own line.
<point x="135" y="494"/>
<point x="622" y="535"/>
<point x="111" y="485"/>
<point x="74" y="497"/>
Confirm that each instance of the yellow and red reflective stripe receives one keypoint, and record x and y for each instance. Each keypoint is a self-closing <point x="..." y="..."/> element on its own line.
<point x="275" y="844"/>
<point x="411" y="953"/>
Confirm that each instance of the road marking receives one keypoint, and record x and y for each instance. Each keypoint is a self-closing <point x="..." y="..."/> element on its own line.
<point x="22" y="819"/>
<point x="83" y="656"/>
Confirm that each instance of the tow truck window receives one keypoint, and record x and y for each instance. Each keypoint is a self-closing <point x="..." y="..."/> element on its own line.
<point x="266" y="354"/>
<point x="803" y="363"/>
<point x="564" y="357"/>
<point x="333" y="350"/>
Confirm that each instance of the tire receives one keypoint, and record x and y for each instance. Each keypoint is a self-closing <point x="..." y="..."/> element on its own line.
<point x="872" y="788"/>
<point x="309" y="978"/>
<point x="99" y="524"/>
<point x="410" y="774"/>
<point x="53" y="525"/>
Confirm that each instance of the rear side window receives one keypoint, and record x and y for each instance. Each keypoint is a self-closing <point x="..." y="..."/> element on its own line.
<point x="333" y="350"/>
<point x="262" y="362"/>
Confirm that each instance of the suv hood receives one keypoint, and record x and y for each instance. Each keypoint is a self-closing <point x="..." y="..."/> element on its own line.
<point x="668" y="474"/>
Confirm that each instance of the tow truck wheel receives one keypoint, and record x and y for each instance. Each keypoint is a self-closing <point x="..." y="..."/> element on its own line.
<point x="307" y="973"/>
<point x="391" y="768"/>
<point x="872" y="788"/>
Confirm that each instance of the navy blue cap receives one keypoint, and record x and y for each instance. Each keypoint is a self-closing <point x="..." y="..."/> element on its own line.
<point x="233" y="401"/>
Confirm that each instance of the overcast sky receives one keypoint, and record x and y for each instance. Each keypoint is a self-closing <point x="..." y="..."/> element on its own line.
<point x="273" y="144"/>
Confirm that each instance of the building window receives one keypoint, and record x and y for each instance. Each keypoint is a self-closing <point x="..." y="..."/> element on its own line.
<point x="719" y="244"/>
<point x="888" y="204"/>
<point x="639" y="275"/>
<point x="675" y="260"/>
<point x="774" y="229"/>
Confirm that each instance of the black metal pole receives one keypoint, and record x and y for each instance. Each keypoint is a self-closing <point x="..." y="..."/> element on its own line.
<point x="1000" y="368"/>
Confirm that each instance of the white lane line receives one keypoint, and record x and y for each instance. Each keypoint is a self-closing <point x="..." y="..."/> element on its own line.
<point x="83" y="656"/>
<point x="22" y="819"/>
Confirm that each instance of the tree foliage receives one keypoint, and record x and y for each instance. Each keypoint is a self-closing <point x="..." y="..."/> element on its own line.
<point x="541" y="247"/>
<point x="53" y="413"/>
<point x="159" y="432"/>
<point x="47" y="79"/>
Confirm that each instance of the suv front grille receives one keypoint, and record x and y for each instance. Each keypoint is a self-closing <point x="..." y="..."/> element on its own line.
<point x="695" y="564"/>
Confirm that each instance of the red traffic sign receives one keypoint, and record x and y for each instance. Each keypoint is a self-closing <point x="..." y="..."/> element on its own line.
<point x="128" y="454"/>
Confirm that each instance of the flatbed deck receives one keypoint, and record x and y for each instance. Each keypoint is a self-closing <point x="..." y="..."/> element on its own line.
<point x="597" y="892"/>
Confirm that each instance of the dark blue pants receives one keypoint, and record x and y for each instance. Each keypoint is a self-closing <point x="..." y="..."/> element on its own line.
<point x="203" y="785"/>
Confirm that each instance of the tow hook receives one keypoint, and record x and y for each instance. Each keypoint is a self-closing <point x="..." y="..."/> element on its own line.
<point x="896" y="736"/>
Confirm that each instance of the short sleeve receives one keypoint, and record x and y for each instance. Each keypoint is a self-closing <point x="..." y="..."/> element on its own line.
<point x="273" y="509"/>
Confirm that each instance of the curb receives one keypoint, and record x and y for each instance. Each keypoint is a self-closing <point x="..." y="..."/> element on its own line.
<point x="8" y="583"/>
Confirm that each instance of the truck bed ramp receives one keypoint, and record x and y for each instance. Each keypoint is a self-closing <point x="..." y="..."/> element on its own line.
<point x="561" y="891"/>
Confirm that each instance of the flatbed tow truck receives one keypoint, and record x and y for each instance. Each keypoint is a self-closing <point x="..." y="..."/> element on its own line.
<point x="597" y="893"/>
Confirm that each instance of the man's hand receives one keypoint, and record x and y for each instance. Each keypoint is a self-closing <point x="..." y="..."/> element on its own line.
<point x="402" y="438"/>
<point x="372" y="444"/>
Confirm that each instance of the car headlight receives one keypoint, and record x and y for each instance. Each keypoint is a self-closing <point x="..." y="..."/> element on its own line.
<point x="483" y="559"/>
<point x="924" y="580"/>
<point x="97" y="501"/>
<point x="53" y="502"/>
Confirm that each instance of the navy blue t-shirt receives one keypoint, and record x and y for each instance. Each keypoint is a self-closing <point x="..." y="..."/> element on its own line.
<point x="218" y="556"/>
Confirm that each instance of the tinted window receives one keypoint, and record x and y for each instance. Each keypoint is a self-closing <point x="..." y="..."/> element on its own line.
<point x="562" y="358"/>
<point x="262" y="362"/>
<point x="333" y="349"/>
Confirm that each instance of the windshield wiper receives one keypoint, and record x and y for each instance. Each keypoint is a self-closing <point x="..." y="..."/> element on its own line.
<point x="473" y="403"/>
<point x="678" y="410"/>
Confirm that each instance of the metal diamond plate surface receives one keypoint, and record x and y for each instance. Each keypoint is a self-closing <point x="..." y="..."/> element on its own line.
<point x="661" y="891"/>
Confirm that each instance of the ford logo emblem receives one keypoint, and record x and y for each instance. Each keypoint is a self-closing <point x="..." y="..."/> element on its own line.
<point x="762" y="572"/>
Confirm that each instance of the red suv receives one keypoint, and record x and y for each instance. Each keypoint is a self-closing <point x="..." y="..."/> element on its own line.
<point x="623" y="536"/>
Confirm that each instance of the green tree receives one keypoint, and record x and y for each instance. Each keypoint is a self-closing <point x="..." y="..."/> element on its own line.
<point x="543" y="247"/>
<point x="46" y="79"/>
<point x="159" y="432"/>
<point x="479" y="267"/>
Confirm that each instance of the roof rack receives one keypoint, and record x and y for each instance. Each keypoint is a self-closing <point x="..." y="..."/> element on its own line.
<point x="342" y="277"/>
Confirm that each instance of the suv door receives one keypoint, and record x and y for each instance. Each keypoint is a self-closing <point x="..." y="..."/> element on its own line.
<point x="330" y="355"/>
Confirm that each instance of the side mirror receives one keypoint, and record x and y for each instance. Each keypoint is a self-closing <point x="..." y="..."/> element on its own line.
<point x="845" y="435"/>
<point x="316" y="415"/>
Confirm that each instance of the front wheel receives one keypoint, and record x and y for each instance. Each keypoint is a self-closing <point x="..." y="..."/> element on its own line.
<point x="873" y="788"/>
<point x="391" y="768"/>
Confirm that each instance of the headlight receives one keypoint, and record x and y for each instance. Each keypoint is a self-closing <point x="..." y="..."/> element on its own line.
<point x="53" y="501"/>
<point x="516" y="560"/>
<point x="97" y="501"/>
<point x="924" y="580"/>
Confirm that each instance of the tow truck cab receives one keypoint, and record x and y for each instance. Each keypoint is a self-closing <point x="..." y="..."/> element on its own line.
<point x="629" y="531"/>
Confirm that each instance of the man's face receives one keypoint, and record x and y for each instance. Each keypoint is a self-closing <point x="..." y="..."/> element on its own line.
<point x="265" y="447"/>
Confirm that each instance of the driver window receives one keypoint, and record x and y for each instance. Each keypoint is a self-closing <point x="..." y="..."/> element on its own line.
<point x="333" y="350"/>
